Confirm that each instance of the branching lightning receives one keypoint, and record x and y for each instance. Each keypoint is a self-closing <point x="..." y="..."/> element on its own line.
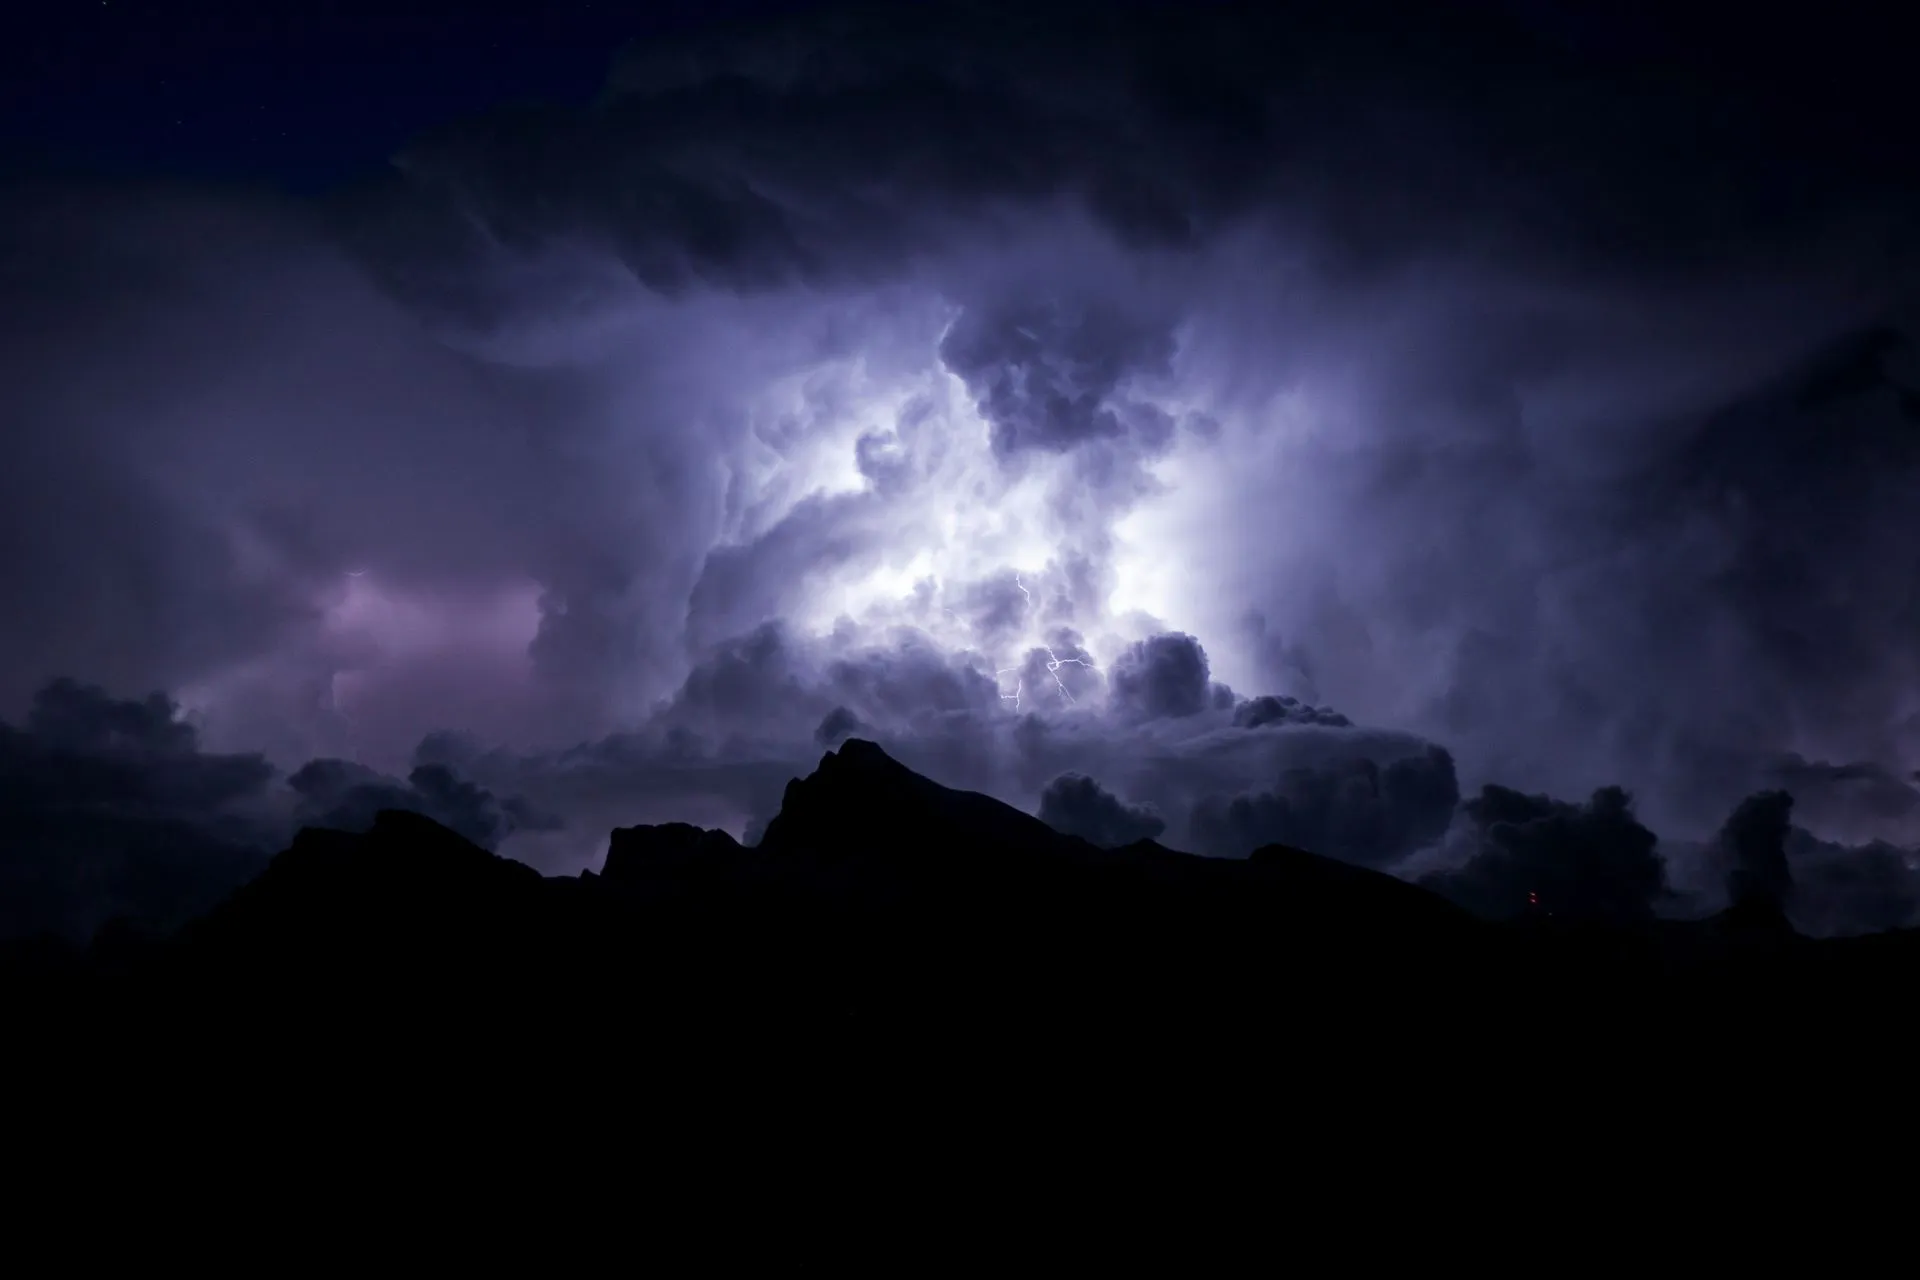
<point x="1054" y="663"/>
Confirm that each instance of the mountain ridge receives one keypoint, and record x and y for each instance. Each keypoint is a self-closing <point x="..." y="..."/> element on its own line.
<point x="882" y="907"/>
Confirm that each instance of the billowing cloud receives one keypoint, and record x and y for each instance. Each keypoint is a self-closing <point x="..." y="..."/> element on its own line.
<point x="1281" y="429"/>
<point x="111" y="809"/>
<point x="1078" y="806"/>
<point x="1592" y="861"/>
<point x="1754" y="843"/>
<point x="340" y="794"/>
<point x="1355" y="809"/>
<point x="1163" y="677"/>
<point x="1850" y="889"/>
<point x="1048" y="376"/>
<point x="1823" y="886"/>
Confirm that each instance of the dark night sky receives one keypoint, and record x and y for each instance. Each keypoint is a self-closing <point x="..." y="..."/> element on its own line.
<point x="303" y="97"/>
<point x="607" y="407"/>
<point x="306" y="96"/>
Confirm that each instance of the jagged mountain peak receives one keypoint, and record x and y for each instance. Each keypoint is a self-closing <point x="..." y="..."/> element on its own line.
<point x="637" y="851"/>
<point x="860" y="799"/>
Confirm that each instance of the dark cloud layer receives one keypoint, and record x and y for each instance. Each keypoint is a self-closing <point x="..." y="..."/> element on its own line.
<point x="1356" y="809"/>
<point x="337" y="793"/>
<point x="1498" y="412"/>
<point x="1842" y="888"/>
<point x="1754" y="843"/>
<point x="1078" y="806"/>
<point x="812" y="147"/>
<point x="1592" y="861"/>
<point x="111" y="809"/>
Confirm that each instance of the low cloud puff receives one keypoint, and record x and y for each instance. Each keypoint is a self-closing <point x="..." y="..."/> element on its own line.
<point x="1357" y="809"/>
<point x="1076" y="805"/>
<point x="1592" y="861"/>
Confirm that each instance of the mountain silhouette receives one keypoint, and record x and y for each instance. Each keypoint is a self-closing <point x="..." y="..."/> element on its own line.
<point x="883" y="909"/>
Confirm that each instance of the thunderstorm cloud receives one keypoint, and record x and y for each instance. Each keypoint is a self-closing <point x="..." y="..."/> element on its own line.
<point x="1227" y="432"/>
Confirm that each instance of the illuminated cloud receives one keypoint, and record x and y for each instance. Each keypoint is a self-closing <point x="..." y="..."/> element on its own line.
<point x="1282" y="434"/>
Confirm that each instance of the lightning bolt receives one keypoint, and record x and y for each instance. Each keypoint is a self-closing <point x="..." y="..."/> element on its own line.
<point x="1054" y="663"/>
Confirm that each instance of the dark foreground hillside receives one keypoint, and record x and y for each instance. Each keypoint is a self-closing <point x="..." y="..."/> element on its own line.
<point x="887" y="927"/>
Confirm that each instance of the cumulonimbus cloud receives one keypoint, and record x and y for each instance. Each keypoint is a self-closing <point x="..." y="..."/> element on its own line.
<point x="1248" y="419"/>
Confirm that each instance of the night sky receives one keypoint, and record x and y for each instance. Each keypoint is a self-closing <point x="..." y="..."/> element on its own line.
<point x="1478" y="442"/>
